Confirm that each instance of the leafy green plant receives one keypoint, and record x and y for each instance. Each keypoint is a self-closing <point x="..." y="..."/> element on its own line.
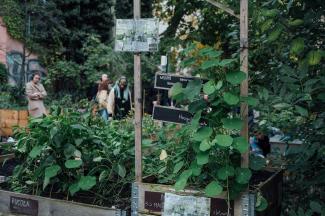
<point x="206" y="152"/>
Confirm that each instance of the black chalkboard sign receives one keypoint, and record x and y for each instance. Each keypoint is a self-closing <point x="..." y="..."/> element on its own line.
<point x="219" y="207"/>
<point x="154" y="201"/>
<point x="171" y="114"/>
<point x="166" y="81"/>
<point x="24" y="206"/>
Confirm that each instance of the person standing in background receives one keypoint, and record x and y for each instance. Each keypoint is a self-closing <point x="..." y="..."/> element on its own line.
<point x="119" y="99"/>
<point x="35" y="92"/>
<point x="102" y="97"/>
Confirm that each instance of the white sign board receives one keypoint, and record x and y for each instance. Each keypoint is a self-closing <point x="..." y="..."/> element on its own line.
<point x="176" y="205"/>
<point x="137" y="35"/>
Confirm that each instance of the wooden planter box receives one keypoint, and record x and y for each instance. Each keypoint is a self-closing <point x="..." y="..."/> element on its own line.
<point x="10" y="118"/>
<point x="22" y="204"/>
<point x="148" y="199"/>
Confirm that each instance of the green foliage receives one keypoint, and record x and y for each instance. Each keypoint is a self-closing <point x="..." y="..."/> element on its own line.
<point x="13" y="17"/>
<point x="215" y="146"/>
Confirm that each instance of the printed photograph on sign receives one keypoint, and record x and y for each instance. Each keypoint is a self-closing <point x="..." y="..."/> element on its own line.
<point x="140" y="35"/>
<point x="176" y="205"/>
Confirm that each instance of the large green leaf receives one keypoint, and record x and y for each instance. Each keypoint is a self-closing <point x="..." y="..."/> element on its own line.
<point x="231" y="98"/>
<point x="261" y="203"/>
<point x="69" y="150"/>
<point x="209" y="64"/>
<point x="241" y="144"/>
<point x="176" y="89"/>
<point x="314" y="57"/>
<point x="121" y="170"/>
<point x="72" y="164"/>
<point x="224" y="140"/>
<point x="297" y="45"/>
<point x="182" y="180"/>
<point x="205" y="145"/>
<point x="267" y="25"/>
<point x="270" y="13"/>
<point x="178" y="167"/>
<point x="232" y="123"/>
<point x="235" y="77"/>
<point x="275" y="34"/>
<point x="226" y="62"/>
<point x="196" y="169"/>
<point x="243" y="175"/>
<point x="52" y="171"/>
<point x="296" y="22"/>
<point x="225" y="172"/>
<point x="213" y="189"/>
<point x="74" y="188"/>
<point x="202" y="158"/>
<point x="209" y="87"/>
<point x="202" y="134"/>
<point x="193" y="89"/>
<point x="36" y="151"/>
<point x="49" y="173"/>
<point x="87" y="182"/>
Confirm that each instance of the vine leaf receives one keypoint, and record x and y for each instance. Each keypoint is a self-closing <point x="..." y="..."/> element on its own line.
<point x="35" y="151"/>
<point x="205" y="145"/>
<point x="232" y="123"/>
<point x="213" y="189"/>
<point x="243" y="175"/>
<point x="87" y="182"/>
<point x="241" y="144"/>
<point x="235" y="77"/>
<point x="314" y="57"/>
<point x="224" y="140"/>
<point x="225" y="172"/>
<point x="261" y="203"/>
<point x="230" y="98"/>
<point x="74" y="188"/>
<point x="71" y="164"/>
<point x="182" y="181"/>
<point x="202" y="133"/>
<point x="202" y="158"/>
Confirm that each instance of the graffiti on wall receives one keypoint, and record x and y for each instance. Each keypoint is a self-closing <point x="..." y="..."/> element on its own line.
<point x="15" y="68"/>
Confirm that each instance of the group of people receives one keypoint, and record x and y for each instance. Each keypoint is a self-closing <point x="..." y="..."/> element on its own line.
<point x="114" y="102"/>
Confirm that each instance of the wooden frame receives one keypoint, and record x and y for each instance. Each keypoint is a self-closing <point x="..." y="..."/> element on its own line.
<point x="271" y="190"/>
<point x="53" y="207"/>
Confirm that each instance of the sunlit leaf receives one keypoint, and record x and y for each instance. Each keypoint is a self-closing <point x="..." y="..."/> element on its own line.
<point x="213" y="189"/>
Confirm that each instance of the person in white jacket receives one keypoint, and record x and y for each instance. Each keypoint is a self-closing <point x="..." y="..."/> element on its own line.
<point x="119" y="100"/>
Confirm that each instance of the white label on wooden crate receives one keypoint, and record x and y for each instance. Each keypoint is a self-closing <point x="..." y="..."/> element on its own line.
<point x="176" y="205"/>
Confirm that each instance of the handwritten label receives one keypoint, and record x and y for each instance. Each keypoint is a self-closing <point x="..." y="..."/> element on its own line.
<point x="153" y="201"/>
<point x="170" y="114"/>
<point x="23" y="206"/>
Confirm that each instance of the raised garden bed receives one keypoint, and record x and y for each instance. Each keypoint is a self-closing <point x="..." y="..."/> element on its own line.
<point x="149" y="199"/>
<point x="11" y="118"/>
<point x="23" y="204"/>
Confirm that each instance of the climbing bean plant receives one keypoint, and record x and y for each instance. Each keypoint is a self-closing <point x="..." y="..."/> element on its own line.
<point x="214" y="131"/>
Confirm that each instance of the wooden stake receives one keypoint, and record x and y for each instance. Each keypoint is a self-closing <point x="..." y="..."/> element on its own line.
<point x="137" y="102"/>
<point x="243" y="87"/>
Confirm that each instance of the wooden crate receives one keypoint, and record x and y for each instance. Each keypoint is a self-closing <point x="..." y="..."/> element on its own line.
<point x="22" y="204"/>
<point x="11" y="118"/>
<point x="148" y="199"/>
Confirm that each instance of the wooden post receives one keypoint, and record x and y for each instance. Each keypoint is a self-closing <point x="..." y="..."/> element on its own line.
<point x="243" y="88"/>
<point x="137" y="102"/>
